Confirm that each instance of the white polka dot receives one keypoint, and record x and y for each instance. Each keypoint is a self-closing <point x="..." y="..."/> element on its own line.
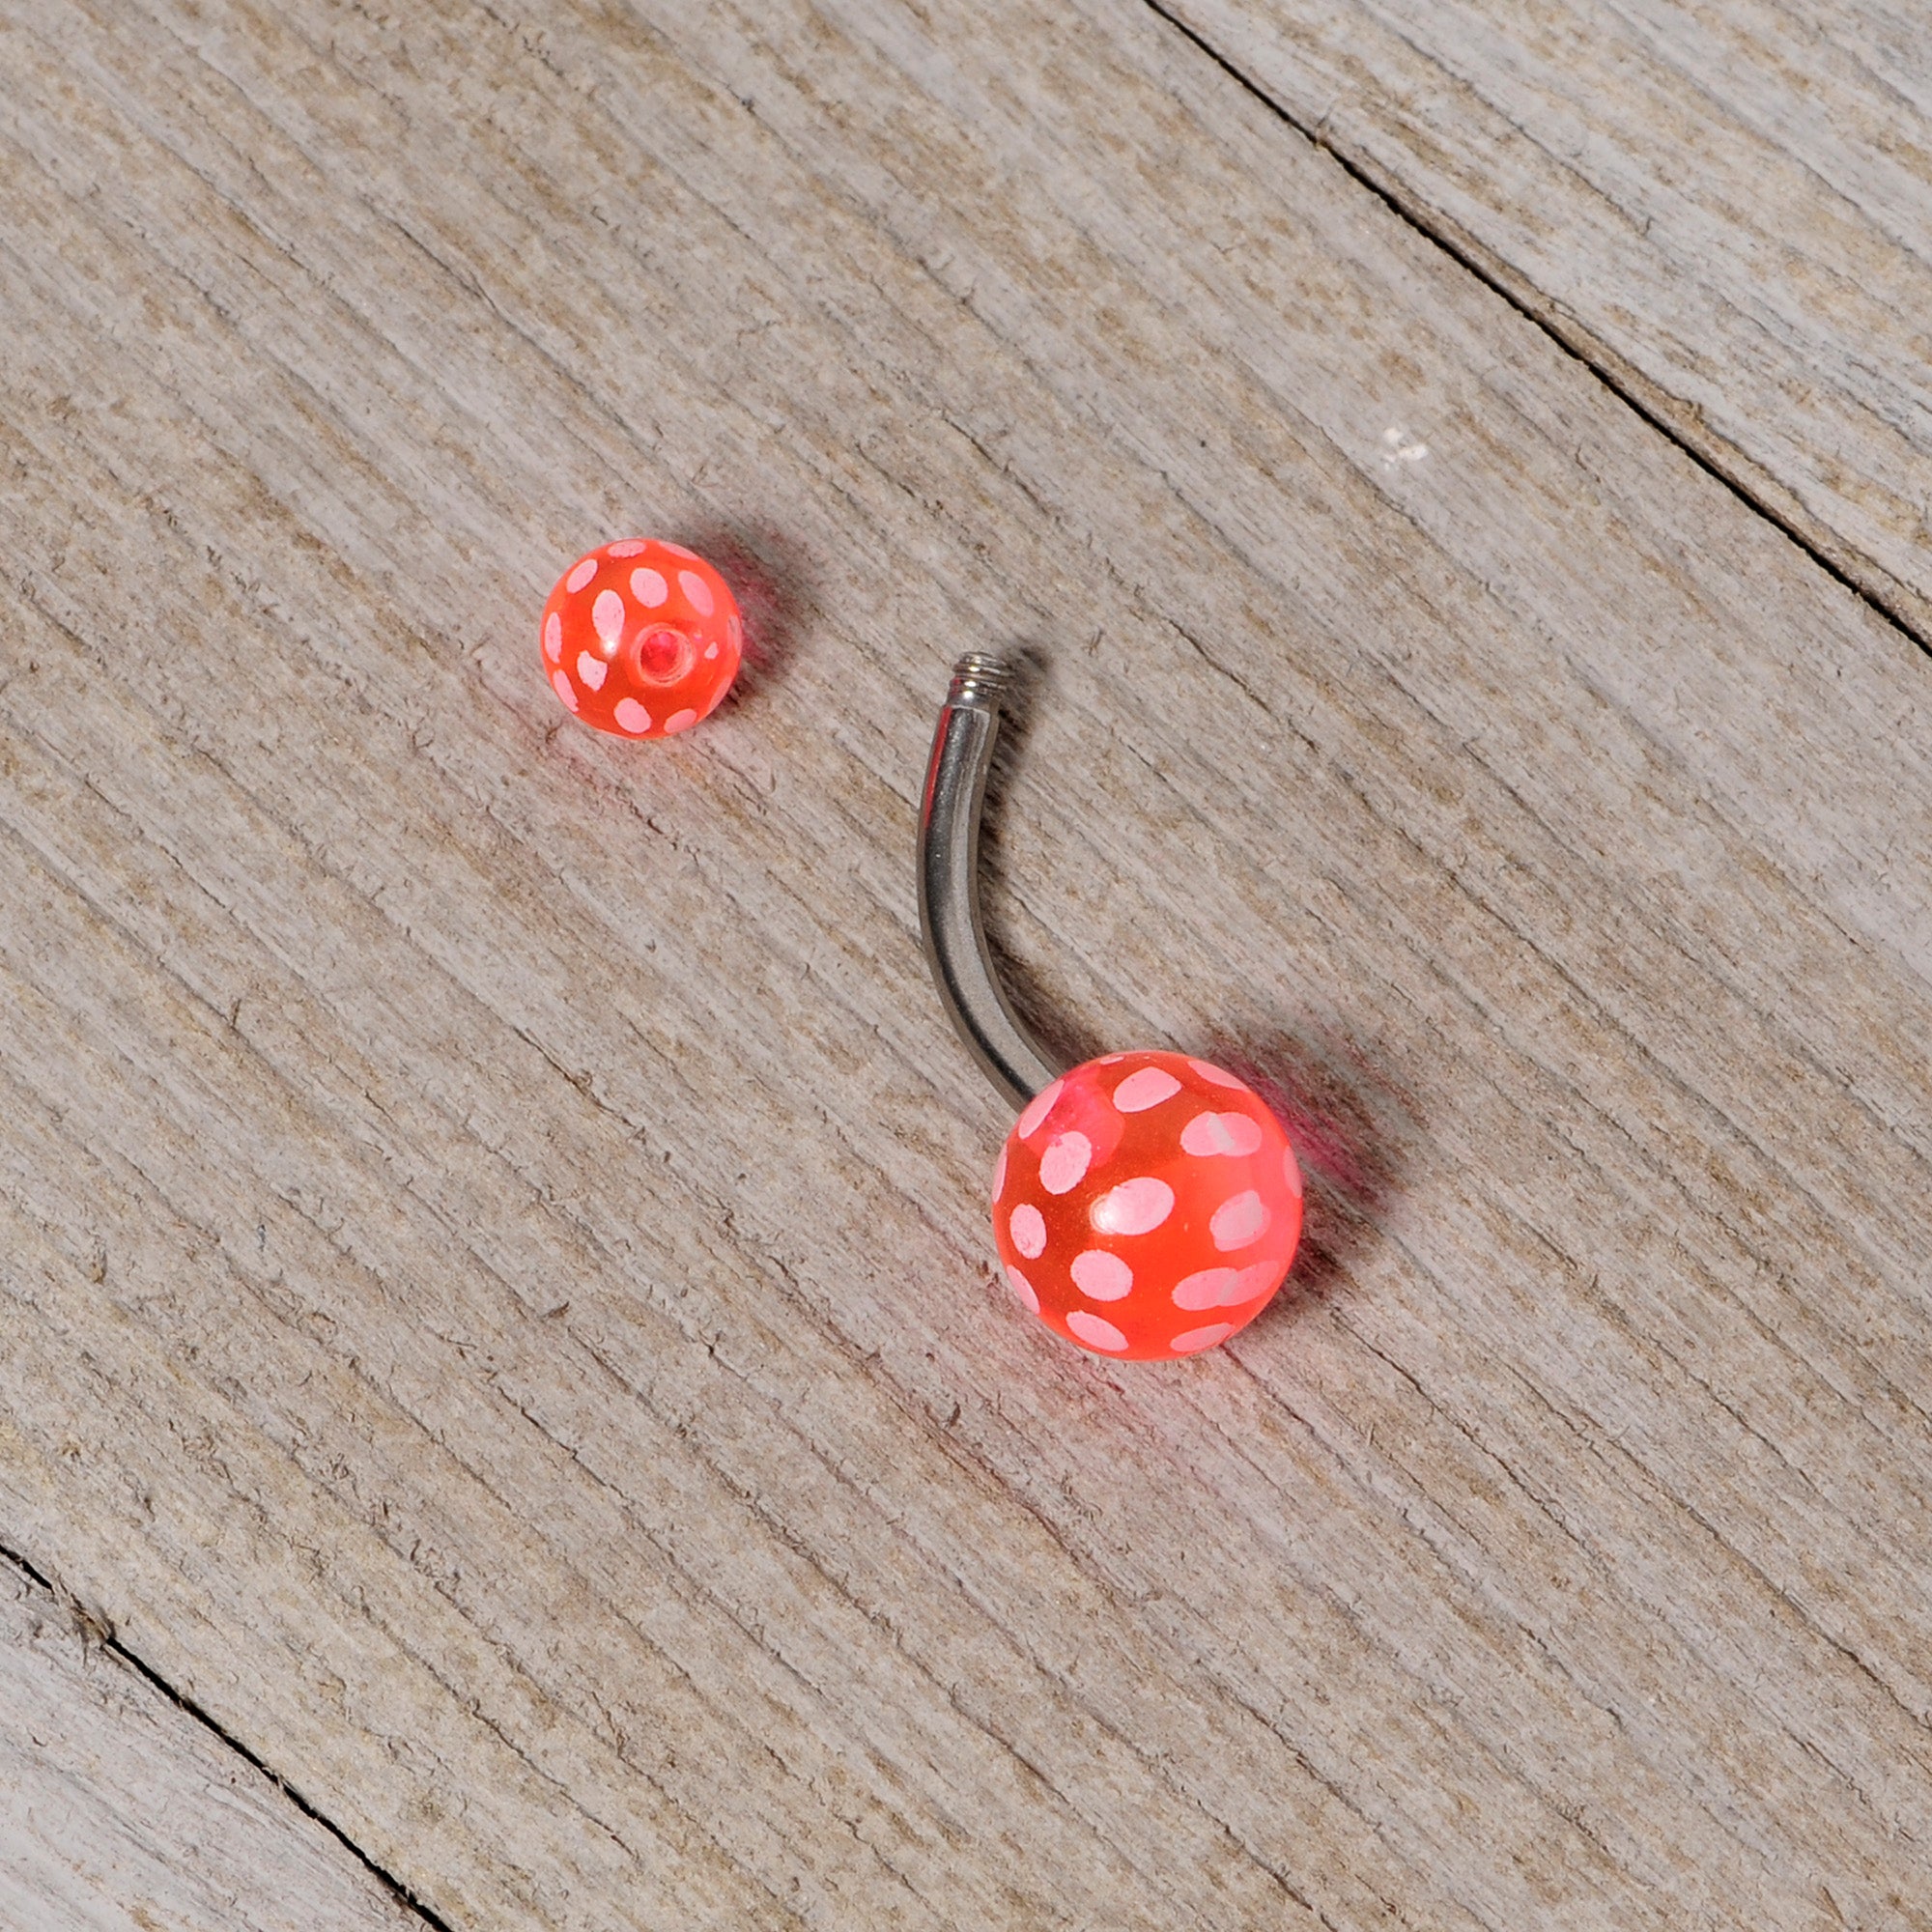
<point x="1022" y="1290"/>
<point x="1095" y="1333"/>
<point x="1000" y="1175"/>
<point x="649" y="588"/>
<point x="553" y="637"/>
<point x="711" y="650"/>
<point x="564" y="688"/>
<point x="679" y="549"/>
<point x="1208" y="1289"/>
<point x="631" y="717"/>
<point x="1147" y="1088"/>
<point x="735" y="631"/>
<point x="593" y="669"/>
<point x="680" y="721"/>
<point x="1197" y="1339"/>
<point x="1065" y="1162"/>
<point x="1260" y="1279"/>
<point x="1240" y="1221"/>
<point x="696" y="592"/>
<point x="1221" y="1133"/>
<point x="581" y="574"/>
<point x="1101" y="1276"/>
<point x="1037" y="1109"/>
<point x="1290" y="1171"/>
<point x="1110" y="1060"/>
<point x="607" y="614"/>
<point x="630" y="547"/>
<point x="1133" y="1208"/>
<point x="1218" y="1076"/>
<point x="1028" y="1228"/>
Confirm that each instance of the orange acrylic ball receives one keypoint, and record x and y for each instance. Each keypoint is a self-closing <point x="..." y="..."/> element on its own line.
<point x="1146" y="1205"/>
<point x="641" y="639"/>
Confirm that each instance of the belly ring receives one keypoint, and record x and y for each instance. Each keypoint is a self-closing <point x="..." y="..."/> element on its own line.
<point x="641" y="639"/>
<point x="1146" y="1205"/>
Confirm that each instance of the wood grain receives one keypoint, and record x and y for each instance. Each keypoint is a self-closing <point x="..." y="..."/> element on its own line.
<point x="120" y="1812"/>
<point x="499" y="1302"/>
<point x="1725" y="206"/>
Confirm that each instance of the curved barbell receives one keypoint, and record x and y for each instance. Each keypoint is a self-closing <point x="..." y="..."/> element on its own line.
<point x="1146" y="1205"/>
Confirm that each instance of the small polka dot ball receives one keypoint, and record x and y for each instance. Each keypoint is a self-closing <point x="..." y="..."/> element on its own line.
<point x="1146" y="1205"/>
<point x="641" y="639"/>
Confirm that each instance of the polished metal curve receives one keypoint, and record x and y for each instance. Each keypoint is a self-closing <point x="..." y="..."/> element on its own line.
<point x="949" y="883"/>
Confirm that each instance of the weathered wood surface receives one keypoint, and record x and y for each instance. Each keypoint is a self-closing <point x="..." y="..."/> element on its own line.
<point x="120" y="1812"/>
<point x="499" y="1306"/>
<point x="1726" y="207"/>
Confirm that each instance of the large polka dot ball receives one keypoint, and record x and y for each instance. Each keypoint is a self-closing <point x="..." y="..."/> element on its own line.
<point x="1146" y="1205"/>
<point x="640" y="639"/>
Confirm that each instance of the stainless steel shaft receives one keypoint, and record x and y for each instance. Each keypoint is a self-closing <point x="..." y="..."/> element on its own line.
<point x="949" y="883"/>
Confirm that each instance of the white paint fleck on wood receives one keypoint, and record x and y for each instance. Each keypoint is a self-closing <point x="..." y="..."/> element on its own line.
<point x="121" y="1813"/>
<point x="499" y="1306"/>
<point x="1728" y="208"/>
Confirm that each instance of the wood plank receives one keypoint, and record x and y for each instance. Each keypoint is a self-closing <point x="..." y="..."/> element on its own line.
<point x="121" y="1813"/>
<point x="1725" y="208"/>
<point x="498" y="1304"/>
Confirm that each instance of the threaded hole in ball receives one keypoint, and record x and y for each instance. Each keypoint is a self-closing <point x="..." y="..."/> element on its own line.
<point x="663" y="655"/>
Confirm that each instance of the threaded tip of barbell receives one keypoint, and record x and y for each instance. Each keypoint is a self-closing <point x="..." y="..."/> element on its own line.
<point x="980" y="677"/>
